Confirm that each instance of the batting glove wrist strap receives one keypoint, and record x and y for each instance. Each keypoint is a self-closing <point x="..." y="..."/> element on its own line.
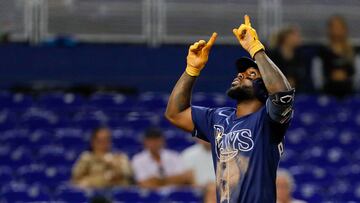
<point x="255" y="47"/>
<point x="192" y="71"/>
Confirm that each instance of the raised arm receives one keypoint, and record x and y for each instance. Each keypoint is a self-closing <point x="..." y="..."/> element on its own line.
<point x="178" y="110"/>
<point x="273" y="78"/>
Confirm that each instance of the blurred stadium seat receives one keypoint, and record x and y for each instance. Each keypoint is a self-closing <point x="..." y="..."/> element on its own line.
<point x="321" y="148"/>
<point x="179" y="195"/>
<point x="136" y="195"/>
<point x="71" y="194"/>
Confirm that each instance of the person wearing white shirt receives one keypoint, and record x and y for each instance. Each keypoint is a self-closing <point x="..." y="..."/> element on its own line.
<point x="198" y="159"/>
<point x="284" y="187"/>
<point x="157" y="167"/>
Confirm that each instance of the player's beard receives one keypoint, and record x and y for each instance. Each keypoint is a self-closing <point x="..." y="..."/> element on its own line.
<point x="239" y="93"/>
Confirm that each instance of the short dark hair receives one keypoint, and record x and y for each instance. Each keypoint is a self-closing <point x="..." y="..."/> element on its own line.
<point x="153" y="132"/>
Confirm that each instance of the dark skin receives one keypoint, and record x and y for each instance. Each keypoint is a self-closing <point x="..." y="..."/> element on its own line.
<point x="178" y="110"/>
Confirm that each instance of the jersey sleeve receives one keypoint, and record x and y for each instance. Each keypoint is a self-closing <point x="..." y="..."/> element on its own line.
<point x="202" y="119"/>
<point x="279" y="108"/>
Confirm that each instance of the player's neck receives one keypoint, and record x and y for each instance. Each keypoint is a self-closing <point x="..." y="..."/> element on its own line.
<point x="247" y="107"/>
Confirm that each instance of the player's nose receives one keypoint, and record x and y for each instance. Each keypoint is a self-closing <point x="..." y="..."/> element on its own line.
<point x="240" y="75"/>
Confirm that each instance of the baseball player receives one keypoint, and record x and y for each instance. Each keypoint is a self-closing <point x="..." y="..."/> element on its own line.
<point x="246" y="140"/>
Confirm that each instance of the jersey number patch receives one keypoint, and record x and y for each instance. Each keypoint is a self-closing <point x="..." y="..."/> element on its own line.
<point x="281" y="148"/>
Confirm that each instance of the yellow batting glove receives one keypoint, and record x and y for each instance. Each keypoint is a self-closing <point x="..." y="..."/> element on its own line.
<point x="198" y="55"/>
<point x="248" y="37"/>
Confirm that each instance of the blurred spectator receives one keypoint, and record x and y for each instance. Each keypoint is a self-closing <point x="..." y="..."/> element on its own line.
<point x="289" y="59"/>
<point x="198" y="159"/>
<point x="210" y="193"/>
<point x="284" y="187"/>
<point x="155" y="166"/>
<point x="4" y="37"/>
<point x="337" y="60"/>
<point x="99" y="167"/>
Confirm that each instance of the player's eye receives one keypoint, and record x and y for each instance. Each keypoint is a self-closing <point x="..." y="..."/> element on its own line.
<point x="252" y="73"/>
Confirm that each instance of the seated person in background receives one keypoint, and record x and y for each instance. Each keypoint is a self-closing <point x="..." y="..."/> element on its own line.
<point x="155" y="166"/>
<point x="337" y="59"/>
<point x="99" y="167"/>
<point x="210" y="193"/>
<point x="284" y="187"/>
<point x="286" y="55"/>
<point x="198" y="160"/>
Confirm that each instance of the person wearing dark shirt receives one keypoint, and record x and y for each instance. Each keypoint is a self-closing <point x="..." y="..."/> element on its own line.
<point x="289" y="59"/>
<point x="338" y="59"/>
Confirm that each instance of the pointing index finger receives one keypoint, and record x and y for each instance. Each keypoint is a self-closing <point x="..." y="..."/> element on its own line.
<point x="247" y="20"/>
<point x="212" y="40"/>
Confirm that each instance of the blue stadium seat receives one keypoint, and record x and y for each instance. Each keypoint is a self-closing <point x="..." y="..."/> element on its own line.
<point x="350" y="172"/>
<point x="35" y="118"/>
<point x="55" y="155"/>
<point x="344" y="115"/>
<point x="127" y="143"/>
<point x="352" y="102"/>
<point x="127" y="195"/>
<point x="69" y="193"/>
<point x="7" y="119"/>
<point x="15" y="101"/>
<point x="151" y="197"/>
<point x="313" y="174"/>
<point x="32" y="174"/>
<point x="17" y="157"/>
<point x="164" y="123"/>
<point x="203" y="99"/>
<point x="308" y="118"/>
<point x="111" y="101"/>
<point x="136" y="195"/>
<point x="325" y="134"/>
<point x="347" y="139"/>
<point x="336" y="157"/>
<point x="303" y="101"/>
<point x="61" y="101"/>
<point x="152" y="101"/>
<point x="71" y="138"/>
<point x="347" y="197"/>
<point x="180" y="143"/>
<point x="322" y="138"/>
<point x="140" y="120"/>
<point x="290" y="158"/>
<point x="25" y="193"/>
<point x="220" y="100"/>
<point x="345" y="191"/>
<point x="117" y="133"/>
<point x="15" y="137"/>
<point x="297" y="139"/>
<point x="42" y="175"/>
<point x="185" y="195"/>
<point x="332" y="157"/>
<point x="6" y="175"/>
<point x="309" y="191"/>
<point x="57" y="175"/>
<point x="40" y="138"/>
<point x="326" y="102"/>
<point x="5" y="151"/>
<point x="89" y="120"/>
